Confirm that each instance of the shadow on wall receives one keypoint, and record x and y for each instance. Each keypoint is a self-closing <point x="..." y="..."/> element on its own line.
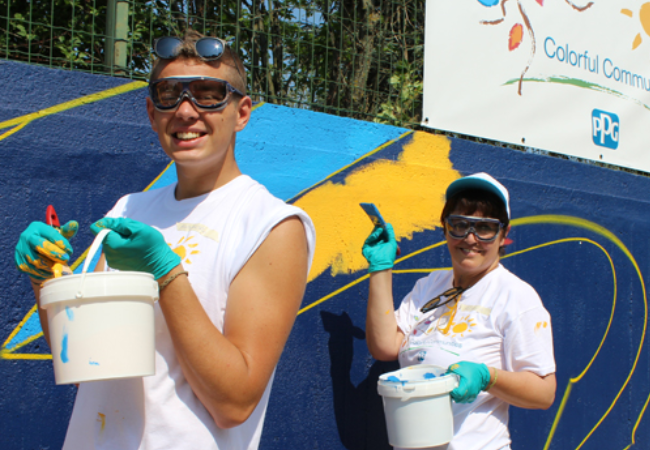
<point x="358" y="409"/>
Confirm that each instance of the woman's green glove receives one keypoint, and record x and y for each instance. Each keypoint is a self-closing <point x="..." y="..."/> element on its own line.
<point x="380" y="249"/>
<point x="136" y="246"/>
<point x="472" y="379"/>
<point x="41" y="246"/>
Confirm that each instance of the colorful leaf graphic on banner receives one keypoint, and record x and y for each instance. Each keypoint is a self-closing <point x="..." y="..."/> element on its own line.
<point x="516" y="36"/>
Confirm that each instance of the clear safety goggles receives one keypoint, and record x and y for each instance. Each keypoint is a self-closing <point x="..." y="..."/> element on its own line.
<point x="210" y="94"/>
<point x="485" y="230"/>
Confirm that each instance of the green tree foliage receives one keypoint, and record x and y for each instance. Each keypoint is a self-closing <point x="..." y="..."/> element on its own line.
<point x="357" y="58"/>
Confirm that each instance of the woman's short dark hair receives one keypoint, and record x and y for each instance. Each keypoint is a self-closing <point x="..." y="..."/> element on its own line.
<point x="472" y="200"/>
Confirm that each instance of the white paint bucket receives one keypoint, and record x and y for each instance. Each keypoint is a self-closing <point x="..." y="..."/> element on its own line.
<point x="101" y="324"/>
<point x="417" y="406"/>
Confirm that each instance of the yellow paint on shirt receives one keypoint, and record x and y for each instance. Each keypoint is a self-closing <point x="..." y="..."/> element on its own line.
<point x="409" y="193"/>
<point x="102" y="419"/>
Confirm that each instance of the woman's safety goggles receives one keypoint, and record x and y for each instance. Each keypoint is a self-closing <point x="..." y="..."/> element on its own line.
<point x="208" y="48"/>
<point x="210" y="94"/>
<point x="484" y="229"/>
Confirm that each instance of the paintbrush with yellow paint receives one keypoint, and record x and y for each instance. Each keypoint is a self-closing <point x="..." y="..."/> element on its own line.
<point x="52" y="219"/>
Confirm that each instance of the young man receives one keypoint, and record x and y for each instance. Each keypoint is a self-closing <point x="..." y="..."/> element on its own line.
<point x="225" y="310"/>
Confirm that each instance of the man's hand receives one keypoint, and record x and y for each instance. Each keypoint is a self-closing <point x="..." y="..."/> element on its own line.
<point x="136" y="246"/>
<point x="472" y="379"/>
<point x="380" y="249"/>
<point x="41" y="246"/>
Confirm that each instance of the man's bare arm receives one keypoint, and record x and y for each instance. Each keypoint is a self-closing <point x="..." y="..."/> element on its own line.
<point x="229" y="371"/>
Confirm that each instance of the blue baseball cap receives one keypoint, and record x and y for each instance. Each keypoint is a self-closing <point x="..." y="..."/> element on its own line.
<point x="481" y="181"/>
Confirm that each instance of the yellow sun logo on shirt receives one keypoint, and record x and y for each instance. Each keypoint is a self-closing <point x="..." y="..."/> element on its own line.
<point x="463" y="326"/>
<point x="644" y="18"/>
<point x="184" y="249"/>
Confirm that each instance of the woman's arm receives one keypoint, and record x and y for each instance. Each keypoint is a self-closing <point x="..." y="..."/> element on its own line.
<point x="523" y="389"/>
<point x="383" y="336"/>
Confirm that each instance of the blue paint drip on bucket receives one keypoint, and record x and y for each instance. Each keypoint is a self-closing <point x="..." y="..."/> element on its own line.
<point x="64" y="348"/>
<point x="69" y="313"/>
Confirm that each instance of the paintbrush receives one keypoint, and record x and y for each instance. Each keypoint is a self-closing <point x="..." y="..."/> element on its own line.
<point x="52" y="219"/>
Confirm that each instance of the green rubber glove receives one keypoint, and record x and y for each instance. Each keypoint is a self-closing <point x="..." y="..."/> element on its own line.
<point x="472" y="379"/>
<point x="41" y="246"/>
<point x="136" y="246"/>
<point x="380" y="249"/>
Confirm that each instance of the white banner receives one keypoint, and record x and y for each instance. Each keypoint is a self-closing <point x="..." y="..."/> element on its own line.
<point x="557" y="75"/>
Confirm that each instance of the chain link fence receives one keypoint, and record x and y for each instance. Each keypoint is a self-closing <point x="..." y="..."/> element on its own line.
<point x="354" y="58"/>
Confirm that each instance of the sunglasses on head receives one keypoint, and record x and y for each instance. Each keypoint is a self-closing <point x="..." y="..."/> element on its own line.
<point x="211" y="94"/>
<point x="485" y="230"/>
<point x="208" y="48"/>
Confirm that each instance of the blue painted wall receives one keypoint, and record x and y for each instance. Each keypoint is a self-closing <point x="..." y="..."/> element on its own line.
<point x="580" y="240"/>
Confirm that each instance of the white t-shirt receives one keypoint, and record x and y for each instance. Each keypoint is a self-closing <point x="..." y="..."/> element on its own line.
<point x="500" y="321"/>
<point x="215" y="234"/>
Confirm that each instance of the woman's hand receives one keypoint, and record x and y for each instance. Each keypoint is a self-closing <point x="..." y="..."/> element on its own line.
<point x="472" y="379"/>
<point x="380" y="249"/>
<point x="522" y="389"/>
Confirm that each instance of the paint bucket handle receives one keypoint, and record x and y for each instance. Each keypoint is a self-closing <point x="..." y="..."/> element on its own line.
<point x="89" y="257"/>
<point x="408" y="392"/>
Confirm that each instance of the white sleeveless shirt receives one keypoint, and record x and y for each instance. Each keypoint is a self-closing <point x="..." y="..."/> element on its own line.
<point x="215" y="235"/>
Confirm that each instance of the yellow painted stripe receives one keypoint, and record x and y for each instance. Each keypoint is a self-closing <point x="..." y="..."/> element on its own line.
<point x="5" y="355"/>
<point x="14" y="130"/>
<point x="158" y="177"/>
<point x="19" y="326"/>
<point x="333" y="294"/>
<point x="25" y="342"/>
<point x="74" y="103"/>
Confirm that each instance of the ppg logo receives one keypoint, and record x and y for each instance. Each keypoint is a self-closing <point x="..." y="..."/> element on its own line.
<point x="605" y="128"/>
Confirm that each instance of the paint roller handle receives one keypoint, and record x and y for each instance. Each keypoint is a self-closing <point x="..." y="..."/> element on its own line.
<point x="51" y="218"/>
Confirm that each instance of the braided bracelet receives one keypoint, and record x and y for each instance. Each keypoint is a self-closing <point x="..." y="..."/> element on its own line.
<point x="170" y="279"/>
<point x="493" y="382"/>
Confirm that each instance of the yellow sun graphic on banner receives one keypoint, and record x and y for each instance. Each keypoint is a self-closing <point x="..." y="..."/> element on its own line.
<point x="185" y="249"/>
<point x="644" y="18"/>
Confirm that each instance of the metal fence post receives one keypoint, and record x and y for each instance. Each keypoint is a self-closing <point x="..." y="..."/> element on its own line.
<point x="117" y="33"/>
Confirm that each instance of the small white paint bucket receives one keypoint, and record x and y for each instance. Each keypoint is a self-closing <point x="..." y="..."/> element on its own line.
<point x="101" y="324"/>
<point x="417" y="406"/>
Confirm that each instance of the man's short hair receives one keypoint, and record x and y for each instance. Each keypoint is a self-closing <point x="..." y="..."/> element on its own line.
<point x="188" y="50"/>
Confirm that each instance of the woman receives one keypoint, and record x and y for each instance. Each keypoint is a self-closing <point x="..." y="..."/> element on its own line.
<point x="478" y="319"/>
